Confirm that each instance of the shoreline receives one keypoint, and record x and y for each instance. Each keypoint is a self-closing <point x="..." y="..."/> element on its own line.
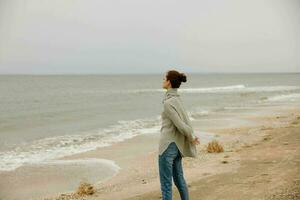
<point x="139" y="179"/>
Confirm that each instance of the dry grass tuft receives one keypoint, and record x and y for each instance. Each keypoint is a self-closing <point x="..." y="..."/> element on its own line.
<point x="85" y="189"/>
<point x="296" y="121"/>
<point x="214" y="147"/>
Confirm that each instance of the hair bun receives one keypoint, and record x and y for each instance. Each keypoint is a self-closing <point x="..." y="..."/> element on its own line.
<point x="183" y="77"/>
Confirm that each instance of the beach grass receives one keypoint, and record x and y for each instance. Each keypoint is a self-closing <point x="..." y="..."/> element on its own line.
<point x="214" y="147"/>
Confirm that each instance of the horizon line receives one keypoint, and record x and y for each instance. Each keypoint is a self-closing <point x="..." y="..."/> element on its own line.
<point x="155" y="73"/>
<point x="115" y="74"/>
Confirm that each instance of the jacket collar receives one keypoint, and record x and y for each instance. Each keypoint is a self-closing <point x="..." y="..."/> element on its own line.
<point x="171" y="92"/>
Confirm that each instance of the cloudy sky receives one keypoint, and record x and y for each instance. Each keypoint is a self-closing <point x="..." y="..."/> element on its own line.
<point x="138" y="36"/>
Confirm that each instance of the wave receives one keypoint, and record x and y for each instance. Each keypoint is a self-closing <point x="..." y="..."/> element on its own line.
<point x="213" y="89"/>
<point x="198" y="113"/>
<point x="223" y="89"/>
<point x="285" y="97"/>
<point x="52" y="148"/>
<point x="190" y="90"/>
<point x="272" y="88"/>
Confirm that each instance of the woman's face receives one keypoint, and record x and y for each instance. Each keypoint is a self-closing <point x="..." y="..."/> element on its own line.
<point x="166" y="83"/>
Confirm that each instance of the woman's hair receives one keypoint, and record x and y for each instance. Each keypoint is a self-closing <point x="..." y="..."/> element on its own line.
<point x="175" y="78"/>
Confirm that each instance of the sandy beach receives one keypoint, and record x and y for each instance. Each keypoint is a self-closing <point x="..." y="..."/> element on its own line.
<point x="260" y="161"/>
<point x="265" y="169"/>
<point x="92" y="92"/>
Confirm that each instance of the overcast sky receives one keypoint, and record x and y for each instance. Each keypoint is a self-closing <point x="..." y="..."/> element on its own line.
<point x="138" y="36"/>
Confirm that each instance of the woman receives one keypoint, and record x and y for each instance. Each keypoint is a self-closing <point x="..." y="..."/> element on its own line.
<point x="177" y="139"/>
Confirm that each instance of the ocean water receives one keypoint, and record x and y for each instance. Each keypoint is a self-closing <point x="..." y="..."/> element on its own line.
<point x="43" y="118"/>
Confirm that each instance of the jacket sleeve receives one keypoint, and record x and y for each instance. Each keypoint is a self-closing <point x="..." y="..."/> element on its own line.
<point x="183" y="128"/>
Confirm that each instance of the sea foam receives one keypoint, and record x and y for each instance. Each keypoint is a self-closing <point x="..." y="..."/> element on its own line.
<point x="285" y="97"/>
<point x="52" y="148"/>
<point x="223" y="89"/>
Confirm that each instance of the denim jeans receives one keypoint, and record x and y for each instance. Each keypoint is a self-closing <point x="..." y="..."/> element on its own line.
<point x="170" y="167"/>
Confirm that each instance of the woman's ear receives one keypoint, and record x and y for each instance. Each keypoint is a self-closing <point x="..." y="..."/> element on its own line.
<point x="169" y="83"/>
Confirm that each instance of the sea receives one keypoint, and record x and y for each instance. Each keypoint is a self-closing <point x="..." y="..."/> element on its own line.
<point x="46" y="117"/>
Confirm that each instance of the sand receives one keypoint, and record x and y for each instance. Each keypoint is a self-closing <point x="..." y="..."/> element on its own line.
<point x="269" y="169"/>
<point x="259" y="162"/>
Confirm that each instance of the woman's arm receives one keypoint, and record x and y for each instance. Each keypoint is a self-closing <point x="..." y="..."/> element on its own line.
<point x="183" y="128"/>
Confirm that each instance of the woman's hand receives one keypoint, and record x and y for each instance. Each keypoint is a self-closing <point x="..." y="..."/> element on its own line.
<point x="196" y="141"/>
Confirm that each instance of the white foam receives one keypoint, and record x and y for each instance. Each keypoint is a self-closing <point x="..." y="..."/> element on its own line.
<point x="191" y="90"/>
<point x="271" y="88"/>
<point x="47" y="149"/>
<point x="213" y="89"/>
<point x="197" y="113"/>
<point x="223" y="89"/>
<point x="285" y="97"/>
<point x="53" y="148"/>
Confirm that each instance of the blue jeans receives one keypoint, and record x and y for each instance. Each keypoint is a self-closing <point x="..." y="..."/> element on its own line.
<point x="170" y="166"/>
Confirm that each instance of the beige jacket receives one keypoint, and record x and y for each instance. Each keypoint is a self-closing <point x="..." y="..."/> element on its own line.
<point x="176" y="126"/>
